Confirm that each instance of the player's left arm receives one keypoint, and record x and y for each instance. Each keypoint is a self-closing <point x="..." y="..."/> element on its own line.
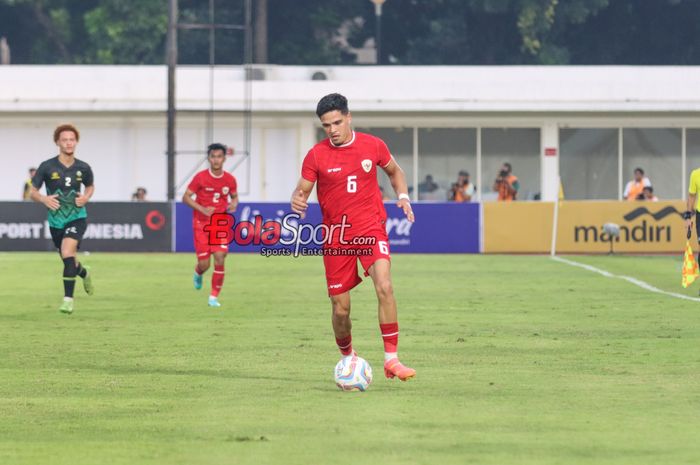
<point x="233" y="204"/>
<point x="82" y="199"/>
<point x="398" y="182"/>
<point x="692" y="201"/>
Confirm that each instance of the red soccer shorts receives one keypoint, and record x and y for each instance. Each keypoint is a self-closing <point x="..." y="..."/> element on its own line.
<point x="202" y="246"/>
<point x="341" y="270"/>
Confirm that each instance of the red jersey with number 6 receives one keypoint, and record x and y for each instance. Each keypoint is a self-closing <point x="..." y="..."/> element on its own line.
<point x="346" y="181"/>
<point x="212" y="191"/>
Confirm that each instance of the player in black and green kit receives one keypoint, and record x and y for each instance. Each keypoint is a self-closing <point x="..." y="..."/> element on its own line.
<point x="63" y="176"/>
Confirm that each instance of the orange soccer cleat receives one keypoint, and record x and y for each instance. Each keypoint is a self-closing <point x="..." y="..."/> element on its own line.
<point x="394" y="368"/>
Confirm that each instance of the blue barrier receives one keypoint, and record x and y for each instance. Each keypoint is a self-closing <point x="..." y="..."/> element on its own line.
<point x="439" y="227"/>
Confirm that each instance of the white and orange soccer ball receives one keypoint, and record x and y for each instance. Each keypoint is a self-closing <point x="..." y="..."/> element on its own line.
<point x="353" y="373"/>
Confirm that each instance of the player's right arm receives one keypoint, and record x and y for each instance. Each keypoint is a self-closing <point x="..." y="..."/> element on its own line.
<point x="300" y="196"/>
<point x="309" y="176"/>
<point x="187" y="200"/>
<point x="50" y="201"/>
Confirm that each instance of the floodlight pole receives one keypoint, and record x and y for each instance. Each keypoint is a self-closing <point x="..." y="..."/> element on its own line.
<point x="378" y="28"/>
<point x="171" y="59"/>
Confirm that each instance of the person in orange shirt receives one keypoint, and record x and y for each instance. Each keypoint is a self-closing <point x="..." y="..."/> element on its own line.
<point x="636" y="186"/>
<point x="463" y="190"/>
<point x="506" y="184"/>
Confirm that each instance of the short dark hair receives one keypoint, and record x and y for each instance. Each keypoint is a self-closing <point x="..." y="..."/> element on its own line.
<point x="216" y="146"/>
<point x="510" y="168"/>
<point x="332" y="102"/>
<point x="641" y="171"/>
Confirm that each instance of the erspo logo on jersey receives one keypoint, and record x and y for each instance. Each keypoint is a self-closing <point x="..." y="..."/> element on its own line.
<point x="287" y="231"/>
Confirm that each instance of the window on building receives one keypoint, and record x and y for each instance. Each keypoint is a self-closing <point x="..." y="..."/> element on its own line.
<point x="518" y="146"/>
<point x="442" y="154"/>
<point x="589" y="163"/>
<point x="658" y="152"/>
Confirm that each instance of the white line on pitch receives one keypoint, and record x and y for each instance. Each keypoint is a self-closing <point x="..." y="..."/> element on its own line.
<point x="630" y="279"/>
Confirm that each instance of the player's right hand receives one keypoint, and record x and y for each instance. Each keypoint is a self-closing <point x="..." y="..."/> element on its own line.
<point x="207" y="211"/>
<point x="51" y="202"/>
<point x="299" y="204"/>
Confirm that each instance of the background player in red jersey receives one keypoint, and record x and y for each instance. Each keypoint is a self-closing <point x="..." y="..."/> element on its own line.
<point x="344" y="167"/>
<point x="216" y="192"/>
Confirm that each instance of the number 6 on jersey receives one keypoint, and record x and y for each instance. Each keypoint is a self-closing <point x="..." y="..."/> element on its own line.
<point x="352" y="184"/>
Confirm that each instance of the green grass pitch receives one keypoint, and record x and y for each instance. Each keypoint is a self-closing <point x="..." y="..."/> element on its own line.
<point x="520" y="360"/>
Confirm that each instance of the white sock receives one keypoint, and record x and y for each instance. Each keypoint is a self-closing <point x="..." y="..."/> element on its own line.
<point x="389" y="355"/>
<point x="68" y="299"/>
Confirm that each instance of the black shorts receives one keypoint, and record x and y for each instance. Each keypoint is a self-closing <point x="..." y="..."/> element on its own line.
<point x="74" y="230"/>
<point x="697" y="226"/>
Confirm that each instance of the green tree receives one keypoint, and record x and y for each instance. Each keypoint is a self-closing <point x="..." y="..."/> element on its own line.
<point x="125" y="31"/>
<point x="415" y="32"/>
<point x="631" y="32"/>
<point x="303" y="31"/>
<point x="43" y="31"/>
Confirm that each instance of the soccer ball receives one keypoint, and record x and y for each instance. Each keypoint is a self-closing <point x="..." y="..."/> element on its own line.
<point x="353" y="373"/>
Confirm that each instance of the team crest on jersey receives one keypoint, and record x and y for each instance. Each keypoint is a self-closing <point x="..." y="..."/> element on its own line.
<point x="225" y="190"/>
<point x="79" y="175"/>
<point x="367" y="165"/>
<point x="55" y="175"/>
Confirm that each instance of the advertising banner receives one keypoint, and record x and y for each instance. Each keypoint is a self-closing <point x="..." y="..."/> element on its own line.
<point x="112" y="227"/>
<point x="526" y="227"/>
<point x="518" y="227"/>
<point x="645" y="227"/>
<point x="439" y="227"/>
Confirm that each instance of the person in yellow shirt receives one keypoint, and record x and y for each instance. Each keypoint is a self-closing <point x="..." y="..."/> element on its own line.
<point x="693" y="206"/>
<point x="27" y="189"/>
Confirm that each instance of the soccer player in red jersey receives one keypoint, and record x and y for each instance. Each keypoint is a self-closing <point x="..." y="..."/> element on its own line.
<point x="344" y="168"/>
<point x="216" y="192"/>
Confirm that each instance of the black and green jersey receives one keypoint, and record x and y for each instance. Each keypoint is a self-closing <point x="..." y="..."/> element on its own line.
<point x="64" y="181"/>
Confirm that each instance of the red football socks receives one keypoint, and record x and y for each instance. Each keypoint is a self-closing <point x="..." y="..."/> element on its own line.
<point x="217" y="280"/>
<point x="345" y="344"/>
<point x="390" y="335"/>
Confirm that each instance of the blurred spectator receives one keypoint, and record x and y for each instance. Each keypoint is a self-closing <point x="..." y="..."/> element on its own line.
<point x="429" y="190"/>
<point x="427" y="186"/>
<point x="463" y="189"/>
<point x="506" y="184"/>
<point x="139" y="195"/>
<point x="27" y="190"/>
<point x="648" y="194"/>
<point x="634" y="188"/>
